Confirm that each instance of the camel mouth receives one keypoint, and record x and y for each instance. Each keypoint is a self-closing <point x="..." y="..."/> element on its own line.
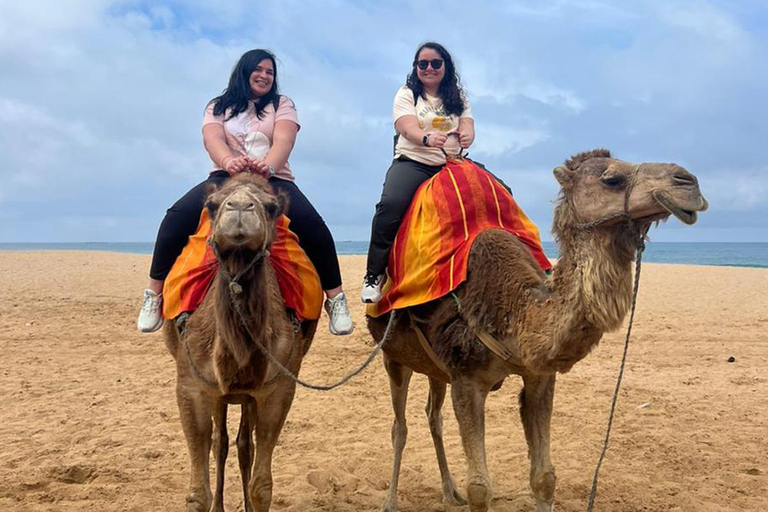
<point x="688" y="217"/>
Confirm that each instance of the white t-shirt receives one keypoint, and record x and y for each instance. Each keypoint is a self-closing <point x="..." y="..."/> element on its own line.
<point x="248" y="135"/>
<point x="432" y="118"/>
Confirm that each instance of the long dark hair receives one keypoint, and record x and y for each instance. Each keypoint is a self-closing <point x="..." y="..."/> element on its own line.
<point x="449" y="90"/>
<point x="238" y="92"/>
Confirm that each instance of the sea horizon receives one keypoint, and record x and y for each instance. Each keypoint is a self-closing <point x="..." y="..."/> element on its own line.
<point x="730" y="254"/>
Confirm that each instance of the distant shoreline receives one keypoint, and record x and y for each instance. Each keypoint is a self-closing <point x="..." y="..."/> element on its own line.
<point x="734" y="254"/>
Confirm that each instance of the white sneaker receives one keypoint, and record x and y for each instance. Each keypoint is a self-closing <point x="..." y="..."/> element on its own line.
<point x="371" y="293"/>
<point x="151" y="315"/>
<point x="338" y="313"/>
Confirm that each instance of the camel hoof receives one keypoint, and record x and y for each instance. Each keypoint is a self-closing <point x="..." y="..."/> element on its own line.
<point x="479" y="497"/>
<point x="453" y="497"/>
<point x="545" y="507"/>
<point x="196" y="503"/>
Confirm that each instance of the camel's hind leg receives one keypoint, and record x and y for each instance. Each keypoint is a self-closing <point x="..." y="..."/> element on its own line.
<point x="270" y="416"/>
<point x="435" y="416"/>
<point x="536" y="413"/>
<point x="220" y="452"/>
<point x="245" y="450"/>
<point x="469" y="406"/>
<point x="399" y="379"/>
<point x="195" y="410"/>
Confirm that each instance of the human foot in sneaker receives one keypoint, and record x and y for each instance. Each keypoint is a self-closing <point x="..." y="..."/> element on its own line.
<point x="151" y="315"/>
<point x="371" y="293"/>
<point x="338" y="314"/>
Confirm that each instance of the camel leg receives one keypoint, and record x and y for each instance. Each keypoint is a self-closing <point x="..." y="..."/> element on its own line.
<point x="245" y="450"/>
<point x="270" y="417"/>
<point x="469" y="406"/>
<point x="220" y="452"/>
<point x="399" y="379"/>
<point x="435" y="416"/>
<point x="195" y="411"/>
<point x="536" y="413"/>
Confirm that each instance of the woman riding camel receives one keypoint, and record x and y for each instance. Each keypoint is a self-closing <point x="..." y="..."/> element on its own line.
<point x="427" y="109"/>
<point x="252" y="128"/>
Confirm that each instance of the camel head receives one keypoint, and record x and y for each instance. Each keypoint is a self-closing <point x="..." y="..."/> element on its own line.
<point x="243" y="213"/>
<point x="600" y="191"/>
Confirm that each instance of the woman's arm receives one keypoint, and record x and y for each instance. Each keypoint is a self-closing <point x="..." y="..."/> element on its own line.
<point x="466" y="132"/>
<point x="283" y="140"/>
<point x="215" y="142"/>
<point x="408" y="127"/>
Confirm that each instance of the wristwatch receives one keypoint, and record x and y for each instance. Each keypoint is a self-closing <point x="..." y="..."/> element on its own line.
<point x="271" y="171"/>
<point x="425" y="140"/>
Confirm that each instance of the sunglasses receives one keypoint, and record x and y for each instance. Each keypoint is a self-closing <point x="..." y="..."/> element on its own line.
<point x="436" y="64"/>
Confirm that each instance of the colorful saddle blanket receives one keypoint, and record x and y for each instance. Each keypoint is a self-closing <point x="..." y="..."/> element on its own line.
<point x="194" y="270"/>
<point x="431" y="250"/>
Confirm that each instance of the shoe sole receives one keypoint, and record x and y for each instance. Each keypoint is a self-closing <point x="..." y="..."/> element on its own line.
<point x="341" y="333"/>
<point x="154" y="328"/>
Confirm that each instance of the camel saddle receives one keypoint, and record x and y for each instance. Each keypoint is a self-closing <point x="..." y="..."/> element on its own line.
<point x="429" y="257"/>
<point x="192" y="274"/>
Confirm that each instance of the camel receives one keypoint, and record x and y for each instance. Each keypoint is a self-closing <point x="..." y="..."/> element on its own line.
<point x="217" y="358"/>
<point x="544" y="324"/>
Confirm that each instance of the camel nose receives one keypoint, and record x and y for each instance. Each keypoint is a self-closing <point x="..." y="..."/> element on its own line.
<point x="241" y="204"/>
<point x="682" y="178"/>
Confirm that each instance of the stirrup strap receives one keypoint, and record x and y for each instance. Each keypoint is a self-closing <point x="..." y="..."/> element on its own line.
<point x="427" y="347"/>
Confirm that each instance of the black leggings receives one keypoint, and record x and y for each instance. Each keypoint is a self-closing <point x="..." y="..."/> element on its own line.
<point x="181" y="221"/>
<point x="400" y="184"/>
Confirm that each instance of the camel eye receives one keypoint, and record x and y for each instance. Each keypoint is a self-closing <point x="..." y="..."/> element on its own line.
<point x="270" y="209"/>
<point x="613" y="181"/>
<point x="213" y="207"/>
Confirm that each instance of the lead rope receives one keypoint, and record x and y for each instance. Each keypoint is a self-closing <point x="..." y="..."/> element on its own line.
<point x="638" y="263"/>
<point x="285" y="371"/>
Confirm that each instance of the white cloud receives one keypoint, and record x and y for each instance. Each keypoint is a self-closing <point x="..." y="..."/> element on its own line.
<point x="101" y="101"/>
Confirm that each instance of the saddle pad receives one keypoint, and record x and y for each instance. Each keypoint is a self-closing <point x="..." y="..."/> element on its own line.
<point x="194" y="270"/>
<point x="430" y="253"/>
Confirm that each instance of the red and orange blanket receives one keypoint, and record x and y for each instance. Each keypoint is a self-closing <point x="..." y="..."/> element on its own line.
<point x="431" y="250"/>
<point x="194" y="270"/>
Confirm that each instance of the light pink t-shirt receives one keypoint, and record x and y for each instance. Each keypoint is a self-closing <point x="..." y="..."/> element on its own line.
<point x="248" y="135"/>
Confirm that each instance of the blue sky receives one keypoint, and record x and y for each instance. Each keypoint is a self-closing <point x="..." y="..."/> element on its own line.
<point x="101" y="101"/>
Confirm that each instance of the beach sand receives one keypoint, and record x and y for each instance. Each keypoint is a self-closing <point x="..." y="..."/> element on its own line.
<point x="89" y="420"/>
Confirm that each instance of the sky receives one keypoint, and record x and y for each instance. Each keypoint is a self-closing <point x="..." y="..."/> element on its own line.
<point x="101" y="101"/>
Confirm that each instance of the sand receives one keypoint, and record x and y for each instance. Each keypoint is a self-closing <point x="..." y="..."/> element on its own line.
<point x="89" y="419"/>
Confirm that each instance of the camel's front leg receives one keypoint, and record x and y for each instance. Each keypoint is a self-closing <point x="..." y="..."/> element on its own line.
<point x="271" y="412"/>
<point x="469" y="406"/>
<point x="195" y="411"/>
<point x="536" y="413"/>
<point x="220" y="452"/>
<point x="245" y="449"/>
<point x="399" y="379"/>
<point x="435" y="416"/>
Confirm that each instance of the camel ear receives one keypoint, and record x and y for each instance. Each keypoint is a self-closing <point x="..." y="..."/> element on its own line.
<point x="562" y="175"/>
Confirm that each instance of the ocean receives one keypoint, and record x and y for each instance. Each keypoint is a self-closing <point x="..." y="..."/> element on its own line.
<point x="689" y="253"/>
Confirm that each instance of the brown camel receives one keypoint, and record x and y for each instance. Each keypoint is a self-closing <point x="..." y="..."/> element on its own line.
<point x="218" y="361"/>
<point x="544" y="324"/>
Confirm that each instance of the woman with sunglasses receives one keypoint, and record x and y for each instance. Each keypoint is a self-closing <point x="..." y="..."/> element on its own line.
<point x="252" y="128"/>
<point x="428" y="109"/>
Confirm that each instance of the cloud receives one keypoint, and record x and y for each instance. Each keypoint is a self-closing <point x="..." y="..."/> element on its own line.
<point x="101" y="101"/>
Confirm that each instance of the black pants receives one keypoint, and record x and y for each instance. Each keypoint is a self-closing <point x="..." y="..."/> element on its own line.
<point x="400" y="184"/>
<point x="181" y="221"/>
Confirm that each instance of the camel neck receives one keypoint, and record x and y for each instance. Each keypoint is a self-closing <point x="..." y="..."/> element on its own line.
<point x="593" y="280"/>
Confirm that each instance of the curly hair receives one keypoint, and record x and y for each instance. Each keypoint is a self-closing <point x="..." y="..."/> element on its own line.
<point x="234" y="99"/>
<point x="449" y="90"/>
